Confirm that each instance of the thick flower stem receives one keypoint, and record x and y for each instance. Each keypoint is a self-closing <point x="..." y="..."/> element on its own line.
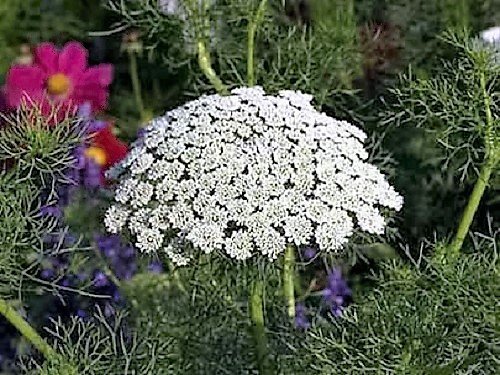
<point x="471" y="208"/>
<point x="289" y="280"/>
<point x="258" y="326"/>
<point x="136" y="86"/>
<point x="253" y="25"/>
<point x="206" y="68"/>
<point x="26" y="330"/>
<point x="489" y="165"/>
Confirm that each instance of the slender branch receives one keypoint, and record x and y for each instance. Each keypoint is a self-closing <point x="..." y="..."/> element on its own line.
<point x="289" y="279"/>
<point x="26" y="329"/>
<point x="136" y="85"/>
<point x="107" y="270"/>
<point x="489" y="164"/>
<point x="206" y="67"/>
<point x="253" y="25"/>
<point x="472" y="205"/>
<point x="258" y="326"/>
<point x="177" y="278"/>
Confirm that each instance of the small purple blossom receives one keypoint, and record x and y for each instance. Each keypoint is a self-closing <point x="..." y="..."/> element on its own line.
<point x="122" y="259"/>
<point x="81" y="314"/>
<point x="47" y="274"/>
<point x="336" y="292"/>
<point x="90" y="124"/>
<point x="140" y="133"/>
<point x="301" y="320"/>
<point x="79" y="155"/>
<point x="155" y="267"/>
<point x="92" y="174"/>
<point x="309" y="253"/>
<point x="109" y="310"/>
<point x="100" y="280"/>
<point x="51" y="210"/>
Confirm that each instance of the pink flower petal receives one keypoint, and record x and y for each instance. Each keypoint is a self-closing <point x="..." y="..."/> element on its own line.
<point x="23" y="82"/>
<point x="91" y="92"/>
<point x="47" y="56"/>
<point x="73" y="60"/>
<point x="56" y="112"/>
<point x="101" y="74"/>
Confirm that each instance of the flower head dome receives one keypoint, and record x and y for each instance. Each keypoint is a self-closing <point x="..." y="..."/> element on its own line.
<point x="247" y="174"/>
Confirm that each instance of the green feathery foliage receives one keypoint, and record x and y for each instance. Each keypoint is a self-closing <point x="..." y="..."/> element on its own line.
<point x="101" y="346"/>
<point x="451" y="104"/>
<point x="431" y="317"/>
<point x="208" y="316"/>
<point x="457" y="106"/>
<point x="34" y="155"/>
<point x="321" y="58"/>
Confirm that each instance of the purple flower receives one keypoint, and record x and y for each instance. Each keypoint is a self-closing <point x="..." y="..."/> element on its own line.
<point x="309" y="253"/>
<point x="122" y="258"/>
<point x="81" y="313"/>
<point x="51" y="210"/>
<point x="109" y="310"/>
<point x="100" y="280"/>
<point x="141" y="132"/>
<point x="117" y="297"/>
<point x="90" y="124"/>
<point x="92" y="174"/>
<point x="47" y="274"/>
<point x="336" y="292"/>
<point x="155" y="267"/>
<point x="80" y="158"/>
<point x="301" y="320"/>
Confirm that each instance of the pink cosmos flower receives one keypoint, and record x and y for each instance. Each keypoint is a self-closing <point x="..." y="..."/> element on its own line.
<point x="59" y="79"/>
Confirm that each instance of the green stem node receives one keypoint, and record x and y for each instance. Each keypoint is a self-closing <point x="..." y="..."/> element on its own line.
<point x="472" y="205"/>
<point x="258" y="326"/>
<point x="489" y="165"/>
<point x="26" y="329"/>
<point x="206" y="68"/>
<point x="289" y="279"/>
<point x="136" y="85"/>
<point x="253" y="25"/>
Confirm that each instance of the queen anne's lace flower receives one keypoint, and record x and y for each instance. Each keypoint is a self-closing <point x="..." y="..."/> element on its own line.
<point x="246" y="174"/>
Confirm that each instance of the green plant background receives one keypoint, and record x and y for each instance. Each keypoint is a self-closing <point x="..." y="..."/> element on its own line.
<point x="381" y="64"/>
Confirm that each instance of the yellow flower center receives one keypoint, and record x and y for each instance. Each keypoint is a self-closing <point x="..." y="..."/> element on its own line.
<point x="58" y="84"/>
<point x="97" y="154"/>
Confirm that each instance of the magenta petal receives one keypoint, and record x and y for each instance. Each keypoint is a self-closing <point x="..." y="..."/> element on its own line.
<point x="24" y="81"/>
<point x="91" y="92"/>
<point x="101" y="74"/>
<point x="47" y="56"/>
<point x="73" y="60"/>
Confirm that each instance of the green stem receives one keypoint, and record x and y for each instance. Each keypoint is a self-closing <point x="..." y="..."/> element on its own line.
<point x="253" y="24"/>
<point x="471" y="208"/>
<point x="26" y="330"/>
<point x="206" y="68"/>
<point x="136" y="85"/>
<point x="258" y="326"/>
<point x="289" y="279"/>
<point x="489" y="164"/>
<point x="177" y="279"/>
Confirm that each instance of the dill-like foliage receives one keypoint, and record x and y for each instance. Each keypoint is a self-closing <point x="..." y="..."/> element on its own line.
<point x="34" y="155"/>
<point x="321" y="58"/>
<point x="426" y="318"/>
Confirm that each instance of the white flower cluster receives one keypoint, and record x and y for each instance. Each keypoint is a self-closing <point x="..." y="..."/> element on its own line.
<point x="247" y="174"/>
<point x="491" y="35"/>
